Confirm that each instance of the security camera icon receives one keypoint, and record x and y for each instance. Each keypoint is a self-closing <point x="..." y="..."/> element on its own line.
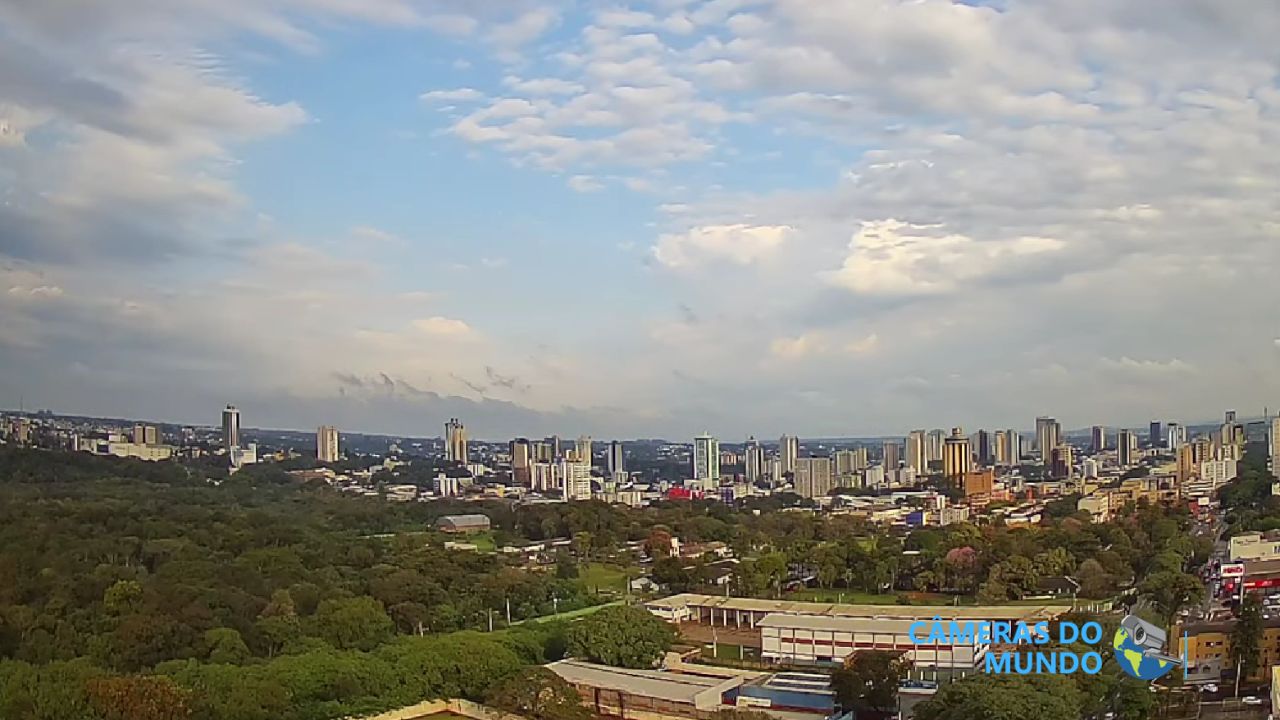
<point x="1148" y="637"/>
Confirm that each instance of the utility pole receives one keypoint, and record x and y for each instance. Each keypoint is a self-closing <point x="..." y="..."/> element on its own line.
<point x="508" y="611"/>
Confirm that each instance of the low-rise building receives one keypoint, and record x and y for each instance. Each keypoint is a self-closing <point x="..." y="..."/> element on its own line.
<point x="1254" y="546"/>
<point x="463" y="524"/>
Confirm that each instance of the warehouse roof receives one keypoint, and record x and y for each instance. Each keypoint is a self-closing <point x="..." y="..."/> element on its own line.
<point x="674" y="687"/>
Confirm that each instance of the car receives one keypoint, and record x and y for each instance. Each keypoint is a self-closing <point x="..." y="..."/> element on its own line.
<point x="1210" y="688"/>
<point x="1251" y="700"/>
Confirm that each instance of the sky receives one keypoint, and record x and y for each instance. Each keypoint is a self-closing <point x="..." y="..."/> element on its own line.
<point x="640" y="219"/>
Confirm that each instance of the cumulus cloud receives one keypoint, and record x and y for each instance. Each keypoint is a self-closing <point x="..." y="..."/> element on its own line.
<point x="889" y="257"/>
<point x="443" y="326"/>
<point x="738" y="244"/>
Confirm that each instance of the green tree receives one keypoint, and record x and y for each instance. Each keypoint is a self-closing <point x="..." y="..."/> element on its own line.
<point x="1171" y="591"/>
<point x="138" y="697"/>
<point x="621" y="636"/>
<point x="1246" y="636"/>
<point x="1004" y="697"/>
<point x="353" y="623"/>
<point x="868" y="683"/>
<point x="538" y="694"/>
<point x="226" y="647"/>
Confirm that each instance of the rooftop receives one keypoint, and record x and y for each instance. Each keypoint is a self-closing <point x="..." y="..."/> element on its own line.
<point x="673" y="687"/>
<point x="946" y="612"/>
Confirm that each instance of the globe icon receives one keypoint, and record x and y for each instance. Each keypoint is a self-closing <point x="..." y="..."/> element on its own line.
<point x="1132" y="660"/>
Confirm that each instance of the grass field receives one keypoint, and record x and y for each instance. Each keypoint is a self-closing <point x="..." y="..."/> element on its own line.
<point x="600" y="577"/>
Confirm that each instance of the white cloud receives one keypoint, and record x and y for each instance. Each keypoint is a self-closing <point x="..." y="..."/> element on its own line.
<point x="465" y="94"/>
<point x="738" y="244"/>
<point x="585" y="184"/>
<point x="889" y="257"/>
<point x="443" y="326"/>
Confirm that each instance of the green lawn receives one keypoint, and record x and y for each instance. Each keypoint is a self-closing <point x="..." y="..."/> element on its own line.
<point x="603" y="578"/>
<point x="571" y="614"/>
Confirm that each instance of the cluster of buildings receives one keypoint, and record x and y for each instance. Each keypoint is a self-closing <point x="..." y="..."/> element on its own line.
<point x="792" y="636"/>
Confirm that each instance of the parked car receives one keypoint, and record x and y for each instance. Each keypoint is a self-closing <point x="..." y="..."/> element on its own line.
<point x="1251" y="700"/>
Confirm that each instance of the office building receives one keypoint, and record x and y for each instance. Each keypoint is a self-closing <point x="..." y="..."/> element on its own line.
<point x="230" y="428"/>
<point x="1097" y="439"/>
<point x="892" y="454"/>
<point x="1176" y="436"/>
<point x="615" y="460"/>
<point x="860" y="459"/>
<point x="1230" y="418"/>
<point x="541" y="451"/>
<point x="1126" y="447"/>
<point x="813" y="477"/>
<point x="146" y="435"/>
<point x="455" y="442"/>
<point x="957" y="459"/>
<point x="916" y="451"/>
<point x="753" y="460"/>
<point x="1155" y="434"/>
<point x="788" y="451"/>
<point x="1014" y="438"/>
<point x="1090" y="468"/>
<point x="544" y="477"/>
<point x="1048" y="437"/>
<point x="327" y="444"/>
<point x="983" y="441"/>
<point x="933" y="446"/>
<point x="553" y="444"/>
<point x="706" y="458"/>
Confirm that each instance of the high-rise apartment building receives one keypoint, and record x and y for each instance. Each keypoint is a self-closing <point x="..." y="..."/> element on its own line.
<point x="455" y="441"/>
<point x="916" y="451"/>
<point x="844" y="463"/>
<point x="753" y="460"/>
<point x="933" y="446"/>
<point x="230" y="428"/>
<point x="615" y="460"/>
<point x="1177" y="436"/>
<point x="522" y="462"/>
<point x="957" y="459"/>
<point x="1013" y="439"/>
<point x="813" y="477"/>
<point x="146" y="435"/>
<point x="1230" y="417"/>
<point x="706" y="458"/>
<point x="788" y="451"/>
<point x="1061" y="462"/>
<point x="1155" y="434"/>
<point x="1097" y="439"/>
<point x="1048" y="437"/>
<point x="892" y="454"/>
<point x="1126" y="447"/>
<point x="1002" y="448"/>
<point x="575" y="478"/>
<point x="327" y="444"/>
<point x="1273" y="440"/>
<point x="582" y="449"/>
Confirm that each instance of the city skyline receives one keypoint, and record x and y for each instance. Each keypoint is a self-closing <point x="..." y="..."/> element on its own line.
<point x="644" y="219"/>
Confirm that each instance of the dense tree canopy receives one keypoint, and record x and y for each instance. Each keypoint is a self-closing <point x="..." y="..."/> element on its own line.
<point x="622" y="636"/>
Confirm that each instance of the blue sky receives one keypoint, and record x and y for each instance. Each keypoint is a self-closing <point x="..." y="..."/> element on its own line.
<point x="640" y="218"/>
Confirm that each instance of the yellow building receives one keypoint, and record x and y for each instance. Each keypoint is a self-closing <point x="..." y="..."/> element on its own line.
<point x="1208" y="645"/>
